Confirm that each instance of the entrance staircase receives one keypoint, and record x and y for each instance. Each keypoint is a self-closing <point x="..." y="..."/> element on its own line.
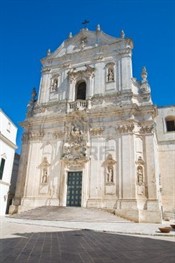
<point x="69" y="214"/>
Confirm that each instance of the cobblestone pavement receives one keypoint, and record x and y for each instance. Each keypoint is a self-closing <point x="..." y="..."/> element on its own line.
<point x="41" y="241"/>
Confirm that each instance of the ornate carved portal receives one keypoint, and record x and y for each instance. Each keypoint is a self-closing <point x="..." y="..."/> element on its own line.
<point x="75" y="145"/>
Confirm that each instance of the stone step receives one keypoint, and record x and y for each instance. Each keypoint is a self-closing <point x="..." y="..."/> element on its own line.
<point x="72" y="214"/>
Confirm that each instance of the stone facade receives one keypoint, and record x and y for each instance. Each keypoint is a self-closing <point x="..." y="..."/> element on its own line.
<point x="94" y="119"/>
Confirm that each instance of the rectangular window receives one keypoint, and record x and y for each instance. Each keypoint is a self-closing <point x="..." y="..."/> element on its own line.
<point x="170" y="125"/>
<point x="2" y="167"/>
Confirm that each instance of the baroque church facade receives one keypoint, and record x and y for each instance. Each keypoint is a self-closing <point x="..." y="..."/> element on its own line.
<point x="93" y="137"/>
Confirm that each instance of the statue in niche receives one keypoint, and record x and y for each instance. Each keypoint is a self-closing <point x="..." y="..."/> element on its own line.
<point x="44" y="177"/>
<point x="140" y="181"/>
<point x="110" y="177"/>
<point x="44" y="168"/>
<point x="109" y="163"/>
<point x="110" y="74"/>
<point x="140" y="175"/>
<point x="54" y="85"/>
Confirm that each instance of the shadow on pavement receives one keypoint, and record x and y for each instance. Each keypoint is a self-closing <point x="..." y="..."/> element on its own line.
<point x="84" y="246"/>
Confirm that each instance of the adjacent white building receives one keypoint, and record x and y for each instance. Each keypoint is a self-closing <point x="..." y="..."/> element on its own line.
<point x="8" y="132"/>
<point x="93" y="137"/>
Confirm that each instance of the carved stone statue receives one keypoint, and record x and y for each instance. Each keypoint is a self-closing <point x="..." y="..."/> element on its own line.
<point x="55" y="84"/>
<point x="110" y="172"/>
<point x="44" y="176"/>
<point x="109" y="163"/>
<point x="110" y="74"/>
<point x="139" y="175"/>
<point x="140" y="181"/>
<point x="44" y="169"/>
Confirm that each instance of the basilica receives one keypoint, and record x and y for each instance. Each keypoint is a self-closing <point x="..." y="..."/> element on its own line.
<point x="93" y="137"/>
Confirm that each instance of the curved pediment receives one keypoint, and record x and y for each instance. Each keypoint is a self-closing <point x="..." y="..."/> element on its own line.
<point x="84" y="40"/>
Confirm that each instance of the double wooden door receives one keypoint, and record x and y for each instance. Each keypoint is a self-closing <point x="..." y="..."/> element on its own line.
<point x="74" y="187"/>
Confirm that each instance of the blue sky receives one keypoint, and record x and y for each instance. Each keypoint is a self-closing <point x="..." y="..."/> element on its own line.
<point x="29" y="27"/>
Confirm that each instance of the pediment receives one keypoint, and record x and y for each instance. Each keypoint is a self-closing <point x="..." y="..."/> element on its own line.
<point x="85" y="39"/>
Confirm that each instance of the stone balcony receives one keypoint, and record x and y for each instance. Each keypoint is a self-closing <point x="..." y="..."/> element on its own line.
<point x="77" y="105"/>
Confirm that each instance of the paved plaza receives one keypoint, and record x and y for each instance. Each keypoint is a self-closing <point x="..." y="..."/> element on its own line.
<point x="73" y="235"/>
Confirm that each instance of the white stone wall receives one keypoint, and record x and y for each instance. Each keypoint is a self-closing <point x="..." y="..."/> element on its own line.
<point x="166" y="150"/>
<point x="7" y="150"/>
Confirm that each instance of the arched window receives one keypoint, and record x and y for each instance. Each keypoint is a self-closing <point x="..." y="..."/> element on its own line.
<point x="80" y="91"/>
<point x="170" y="123"/>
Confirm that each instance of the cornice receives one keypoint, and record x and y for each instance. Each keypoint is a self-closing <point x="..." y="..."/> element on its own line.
<point x="7" y="141"/>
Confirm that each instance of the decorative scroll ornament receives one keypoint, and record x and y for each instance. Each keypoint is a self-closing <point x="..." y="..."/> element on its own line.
<point x="96" y="131"/>
<point x="125" y="128"/>
<point x="36" y="135"/>
<point x="86" y="73"/>
<point x="58" y="134"/>
<point x="146" y="128"/>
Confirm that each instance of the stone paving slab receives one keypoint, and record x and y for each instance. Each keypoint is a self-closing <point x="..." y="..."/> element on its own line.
<point x="85" y="218"/>
<point x="143" y="229"/>
<point x="83" y="239"/>
<point x="82" y="246"/>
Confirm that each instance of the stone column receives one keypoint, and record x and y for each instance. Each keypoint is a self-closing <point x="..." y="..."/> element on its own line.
<point x="44" y="88"/>
<point x="126" y="71"/>
<point x="21" y="176"/>
<point x="151" y="170"/>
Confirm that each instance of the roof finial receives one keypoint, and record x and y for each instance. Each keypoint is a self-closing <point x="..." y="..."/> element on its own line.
<point x="122" y="34"/>
<point x="98" y="28"/>
<point x="70" y="35"/>
<point x="144" y="74"/>
<point x="48" y="52"/>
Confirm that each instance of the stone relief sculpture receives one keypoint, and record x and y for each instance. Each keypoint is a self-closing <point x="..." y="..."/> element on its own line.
<point x="75" y="146"/>
<point x="109" y="166"/>
<point x="110" y="74"/>
<point x="44" y="170"/>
